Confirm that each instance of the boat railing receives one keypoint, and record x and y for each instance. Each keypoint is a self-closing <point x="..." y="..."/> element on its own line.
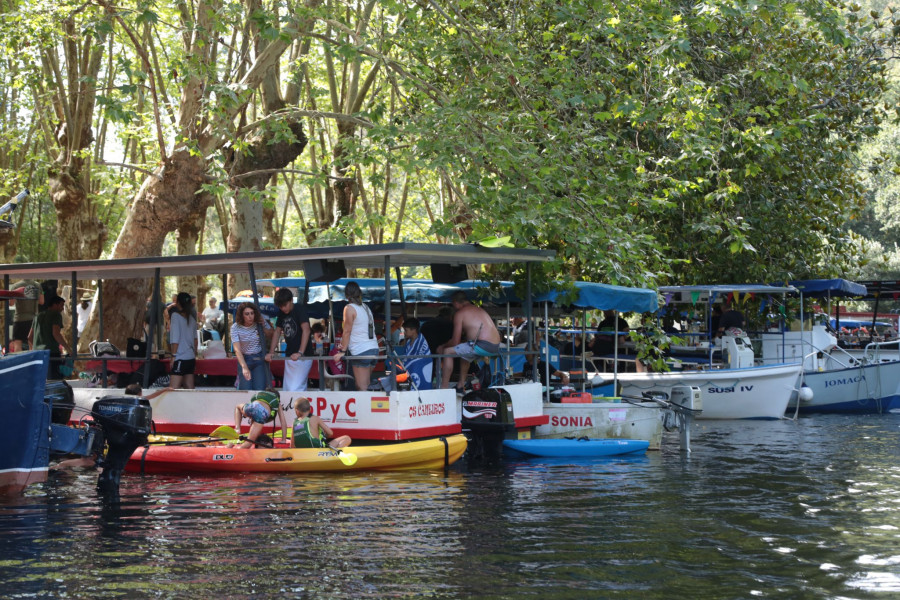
<point x="874" y="349"/>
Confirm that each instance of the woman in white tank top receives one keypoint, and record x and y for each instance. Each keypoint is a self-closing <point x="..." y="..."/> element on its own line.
<point x="359" y="336"/>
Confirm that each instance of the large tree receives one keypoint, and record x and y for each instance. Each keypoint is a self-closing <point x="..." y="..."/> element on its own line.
<point x="215" y="83"/>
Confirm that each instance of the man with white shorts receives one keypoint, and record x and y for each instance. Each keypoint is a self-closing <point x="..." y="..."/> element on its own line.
<point x="293" y="323"/>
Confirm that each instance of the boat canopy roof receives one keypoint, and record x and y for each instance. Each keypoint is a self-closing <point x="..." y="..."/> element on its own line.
<point x="400" y="254"/>
<point x="886" y="290"/>
<point x="720" y="289"/>
<point x="602" y="296"/>
<point x="820" y="288"/>
<point x="590" y="296"/>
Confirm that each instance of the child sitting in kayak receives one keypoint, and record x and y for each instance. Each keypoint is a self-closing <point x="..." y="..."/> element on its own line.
<point x="310" y="431"/>
<point x="261" y="409"/>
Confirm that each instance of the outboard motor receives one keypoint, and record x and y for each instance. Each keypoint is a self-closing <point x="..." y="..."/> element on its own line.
<point x="84" y="440"/>
<point x="58" y="394"/>
<point x="126" y="422"/>
<point x="486" y="420"/>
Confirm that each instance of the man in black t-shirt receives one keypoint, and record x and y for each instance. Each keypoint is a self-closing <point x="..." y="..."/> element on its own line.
<point x="293" y="322"/>
<point x="731" y="319"/>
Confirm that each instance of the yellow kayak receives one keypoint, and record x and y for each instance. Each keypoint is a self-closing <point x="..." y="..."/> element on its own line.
<point x="209" y="457"/>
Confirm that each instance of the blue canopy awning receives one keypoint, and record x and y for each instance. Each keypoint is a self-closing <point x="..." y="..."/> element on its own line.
<point x="590" y="296"/>
<point x="821" y="288"/>
<point x="601" y="296"/>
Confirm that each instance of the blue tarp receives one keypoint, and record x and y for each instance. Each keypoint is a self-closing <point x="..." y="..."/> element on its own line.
<point x="820" y="288"/>
<point x="591" y="296"/>
<point x="601" y="296"/>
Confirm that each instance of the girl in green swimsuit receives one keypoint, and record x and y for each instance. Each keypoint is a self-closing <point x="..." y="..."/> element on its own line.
<point x="310" y="431"/>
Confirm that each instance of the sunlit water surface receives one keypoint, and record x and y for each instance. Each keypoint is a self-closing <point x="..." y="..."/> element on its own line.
<point x="806" y="509"/>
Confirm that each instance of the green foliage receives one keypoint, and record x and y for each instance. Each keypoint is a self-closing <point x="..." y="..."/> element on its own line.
<point x="706" y="143"/>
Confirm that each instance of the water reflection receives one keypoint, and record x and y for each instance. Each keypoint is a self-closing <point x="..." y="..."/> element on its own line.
<point x="805" y="509"/>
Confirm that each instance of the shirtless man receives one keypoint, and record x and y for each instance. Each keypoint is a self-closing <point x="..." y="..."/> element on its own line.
<point x="482" y="337"/>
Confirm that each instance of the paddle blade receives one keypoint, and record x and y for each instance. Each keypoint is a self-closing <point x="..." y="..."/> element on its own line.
<point x="225" y="432"/>
<point x="348" y="458"/>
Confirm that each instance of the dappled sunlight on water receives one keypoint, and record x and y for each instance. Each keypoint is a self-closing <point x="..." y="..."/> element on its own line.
<point x="805" y="509"/>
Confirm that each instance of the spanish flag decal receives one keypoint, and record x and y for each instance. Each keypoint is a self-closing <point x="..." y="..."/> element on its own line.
<point x="381" y="404"/>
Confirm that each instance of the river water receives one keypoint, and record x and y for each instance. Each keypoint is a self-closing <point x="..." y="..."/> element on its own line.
<point x="806" y="509"/>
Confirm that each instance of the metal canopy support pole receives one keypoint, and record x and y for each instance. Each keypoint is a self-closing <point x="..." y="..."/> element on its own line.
<point x="546" y="352"/>
<point x="7" y="315"/>
<point x="583" y="350"/>
<point x="388" y="346"/>
<point x="529" y="348"/>
<point x="225" y="333"/>
<point x="100" y="305"/>
<point x="875" y="313"/>
<point x="616" y="354"/>
<point x="262" y="328"/>
<point x="73" y="308"/>
<point x="331" y="332"/>
<point x="154" y="314"/>
<point x="103" y="373"/>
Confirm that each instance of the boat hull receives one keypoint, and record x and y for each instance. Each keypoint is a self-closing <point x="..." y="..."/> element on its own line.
<point x="601" y="420"/>
<point x="865" y="389"/>
<point x="431" y="454"/>
<point x="582" y="448"/>
<point x="752" y="393"/>
<point x="24" y="445"/>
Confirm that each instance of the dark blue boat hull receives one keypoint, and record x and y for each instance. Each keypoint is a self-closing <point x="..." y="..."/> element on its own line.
<point x="24" y="444"/>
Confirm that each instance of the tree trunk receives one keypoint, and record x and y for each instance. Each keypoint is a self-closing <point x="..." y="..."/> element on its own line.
<point x="81" y="235"/>
<point x="343" y="189"/>
<point x="166" y="201"/>
<point x="247" y="217"/>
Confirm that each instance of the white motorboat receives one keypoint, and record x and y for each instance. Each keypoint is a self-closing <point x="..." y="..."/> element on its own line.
<point x="836" y="380"/>
<point x="746" y="393"/>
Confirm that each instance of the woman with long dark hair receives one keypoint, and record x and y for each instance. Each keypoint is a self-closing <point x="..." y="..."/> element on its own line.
<point x="358" y="339"/>
<point x="248" y="338"/>
<point x="183" y="342"/>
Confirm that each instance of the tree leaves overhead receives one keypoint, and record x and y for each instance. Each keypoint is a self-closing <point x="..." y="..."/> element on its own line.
<point x="709" y="140"/>
<point x="644" y="141"/>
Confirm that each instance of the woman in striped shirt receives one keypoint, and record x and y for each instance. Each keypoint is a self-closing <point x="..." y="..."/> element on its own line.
<point x="249" y="348"/>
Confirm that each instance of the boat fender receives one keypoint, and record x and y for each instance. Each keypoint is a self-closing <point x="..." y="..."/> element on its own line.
<point x="806" y="394"/>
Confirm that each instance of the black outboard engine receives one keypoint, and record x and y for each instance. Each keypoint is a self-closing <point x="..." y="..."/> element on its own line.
<point x="126" y="422"/>
<point x="486" y="420"/>
<point x="59" y="395"/>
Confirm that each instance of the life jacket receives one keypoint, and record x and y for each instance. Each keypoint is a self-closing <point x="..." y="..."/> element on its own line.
<point x="303" y="437"/>
<point x="270" y="398"/>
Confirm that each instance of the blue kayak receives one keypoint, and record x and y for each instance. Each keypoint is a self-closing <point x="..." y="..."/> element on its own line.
<point x="583" y="447"/>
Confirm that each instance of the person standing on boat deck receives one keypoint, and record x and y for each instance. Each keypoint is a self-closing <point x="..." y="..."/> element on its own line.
<point x="310" y="431"/>
<point x="26" y="310"/>
<point x="183" y="343"/>
<point x="46" y="334"/>
<point x="358" y="339"/>
<point x="293" y="322"/>
<point x="84" y="312"/>
<point x="731" y="319"/>
<point x="604" y="343"/>
<point x="481" y="334"/>
<point x="248" y="338"/>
